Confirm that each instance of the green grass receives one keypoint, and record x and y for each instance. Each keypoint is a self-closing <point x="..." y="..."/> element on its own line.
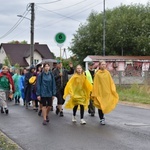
<point x="5" y="144"/>
<point x="135" y="93"/>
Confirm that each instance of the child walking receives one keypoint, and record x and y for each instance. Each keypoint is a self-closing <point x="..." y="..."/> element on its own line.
<point x="78" y="88"/>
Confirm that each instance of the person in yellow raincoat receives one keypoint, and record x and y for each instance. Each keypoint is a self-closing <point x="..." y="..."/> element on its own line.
<point x="104" y="92"/>
<point x="78" y="89"/>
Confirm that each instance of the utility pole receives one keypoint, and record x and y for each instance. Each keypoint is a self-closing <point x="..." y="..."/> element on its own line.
<point x="32" y="35"/>
<point x="104" y="28"/>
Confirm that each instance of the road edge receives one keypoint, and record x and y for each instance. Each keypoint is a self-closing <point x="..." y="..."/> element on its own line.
<point x="9" y="140"/>
<point x="133" y="104"/>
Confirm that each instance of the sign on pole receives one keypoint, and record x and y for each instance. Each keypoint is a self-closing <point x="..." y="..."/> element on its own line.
<point x="60" y="38"/>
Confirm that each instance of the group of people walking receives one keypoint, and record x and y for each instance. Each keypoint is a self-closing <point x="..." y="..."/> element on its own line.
<point x="86" y="90"/>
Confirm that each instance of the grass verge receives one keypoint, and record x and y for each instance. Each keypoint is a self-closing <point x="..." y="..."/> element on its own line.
<point x="6" y="143"/>
<point x="135" y="93"/>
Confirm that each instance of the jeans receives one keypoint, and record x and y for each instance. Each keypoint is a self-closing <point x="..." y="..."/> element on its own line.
<point x="3" y="103"/>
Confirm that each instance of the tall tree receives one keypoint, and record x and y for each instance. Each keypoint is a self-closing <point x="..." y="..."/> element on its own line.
<point x="18" y="42"/>
<point x="127" y="32"/>
<point x="6" y="62"/>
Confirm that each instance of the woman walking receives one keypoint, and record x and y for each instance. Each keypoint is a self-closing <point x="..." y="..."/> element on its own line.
<point x="32" y="81"/>
<point x="16" y="78"/>
<point x="38" y="71"/>
<point x="22" y="86"/>
<point x="46" y="89"/>
<point x="104" y="92"/>
<point x="78" y="88"/>
<point x="6" y="88"/>
<point x="28" y="86"/>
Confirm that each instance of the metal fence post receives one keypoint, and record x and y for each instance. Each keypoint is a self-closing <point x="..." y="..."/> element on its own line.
<point x="120" y="77"/>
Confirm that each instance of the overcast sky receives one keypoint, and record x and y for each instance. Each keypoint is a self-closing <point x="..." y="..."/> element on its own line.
<point x="50" y="18"/>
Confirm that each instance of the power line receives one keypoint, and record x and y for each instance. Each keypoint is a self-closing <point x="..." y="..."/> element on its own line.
<point x="64" y="17"/>
<point x="70" y="6"/>
<point x="20" y="33"/>
<point x="87" y="9"/>
<point x="48" y="2"/>
<point x="53" y="11"/>
<point x="73" y="15"/>
<point x="58" y="14"/>
<point x="15" y="25"/>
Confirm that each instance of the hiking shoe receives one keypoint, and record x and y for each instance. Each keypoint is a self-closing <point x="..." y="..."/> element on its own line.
<point x="92" y="114"/>
<point x="2" y="111"/>
<point x="35" y="108"/>
<point x="44" y="122"/>
<point x="6" y="111"/>
<point x="83" y="122"/>
<point x="52" y="108"/>
<point x="74" y="119"/>
<point x="61" y="114"/>
<point x="26" y="105"/>
<point x="47" y="119"/>
<point x="40" y="112"/>
<point x="57" y="110"/>
<point x="102" y="121"/>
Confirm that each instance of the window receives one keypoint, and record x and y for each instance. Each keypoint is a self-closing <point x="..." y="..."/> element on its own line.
<point x="36" y="61"/>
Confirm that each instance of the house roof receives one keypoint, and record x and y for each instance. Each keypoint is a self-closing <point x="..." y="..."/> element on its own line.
<point x="116" y="58"/>
<point x="18" y="52"/>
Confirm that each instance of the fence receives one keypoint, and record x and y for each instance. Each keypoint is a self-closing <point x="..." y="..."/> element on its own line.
<point x="131" y="77"/>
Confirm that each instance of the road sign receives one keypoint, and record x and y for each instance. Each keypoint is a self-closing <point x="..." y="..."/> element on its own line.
<point x="60" y="38"/>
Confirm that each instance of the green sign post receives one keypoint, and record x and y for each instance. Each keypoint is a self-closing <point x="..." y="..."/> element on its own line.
<point x="60" y="38"/>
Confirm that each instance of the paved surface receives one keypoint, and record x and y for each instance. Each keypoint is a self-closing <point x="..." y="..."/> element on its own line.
<point x="127" y="128"/>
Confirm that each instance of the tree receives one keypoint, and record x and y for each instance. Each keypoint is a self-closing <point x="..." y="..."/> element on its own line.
<point x="127" y="32"/>
<point x="6" y="62"/>
<point x="18" y="42"/>
<point x="17" y="66"/>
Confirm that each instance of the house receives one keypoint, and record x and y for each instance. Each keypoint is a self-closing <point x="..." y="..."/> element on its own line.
<point x="132" y="65"/>
<point x="20" y="53"/>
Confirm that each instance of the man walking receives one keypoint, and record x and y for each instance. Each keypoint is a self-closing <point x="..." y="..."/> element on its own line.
<point x="90" y="76"/>
<point x="61" y="79"/>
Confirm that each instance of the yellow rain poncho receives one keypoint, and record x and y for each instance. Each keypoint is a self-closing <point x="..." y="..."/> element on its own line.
<point x="78" y="89"/>
<point x="104" y="92"/>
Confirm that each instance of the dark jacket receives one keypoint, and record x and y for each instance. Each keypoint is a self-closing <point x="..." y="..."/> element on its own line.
<point x="27" y="85"/>
<point x="61" y="84"/>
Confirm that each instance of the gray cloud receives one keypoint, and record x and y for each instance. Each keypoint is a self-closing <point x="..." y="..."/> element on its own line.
<point x="47" y="24"/>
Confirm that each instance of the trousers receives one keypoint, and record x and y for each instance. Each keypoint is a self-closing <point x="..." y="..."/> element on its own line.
<point x="3" y="99"/>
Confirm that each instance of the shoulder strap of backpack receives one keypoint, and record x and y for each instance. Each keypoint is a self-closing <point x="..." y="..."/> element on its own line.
<point x="51" y="74"/>
<point x="41" y="77"/>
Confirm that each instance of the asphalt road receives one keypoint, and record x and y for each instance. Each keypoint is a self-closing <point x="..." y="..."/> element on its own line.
<point x="127" y="128"/>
